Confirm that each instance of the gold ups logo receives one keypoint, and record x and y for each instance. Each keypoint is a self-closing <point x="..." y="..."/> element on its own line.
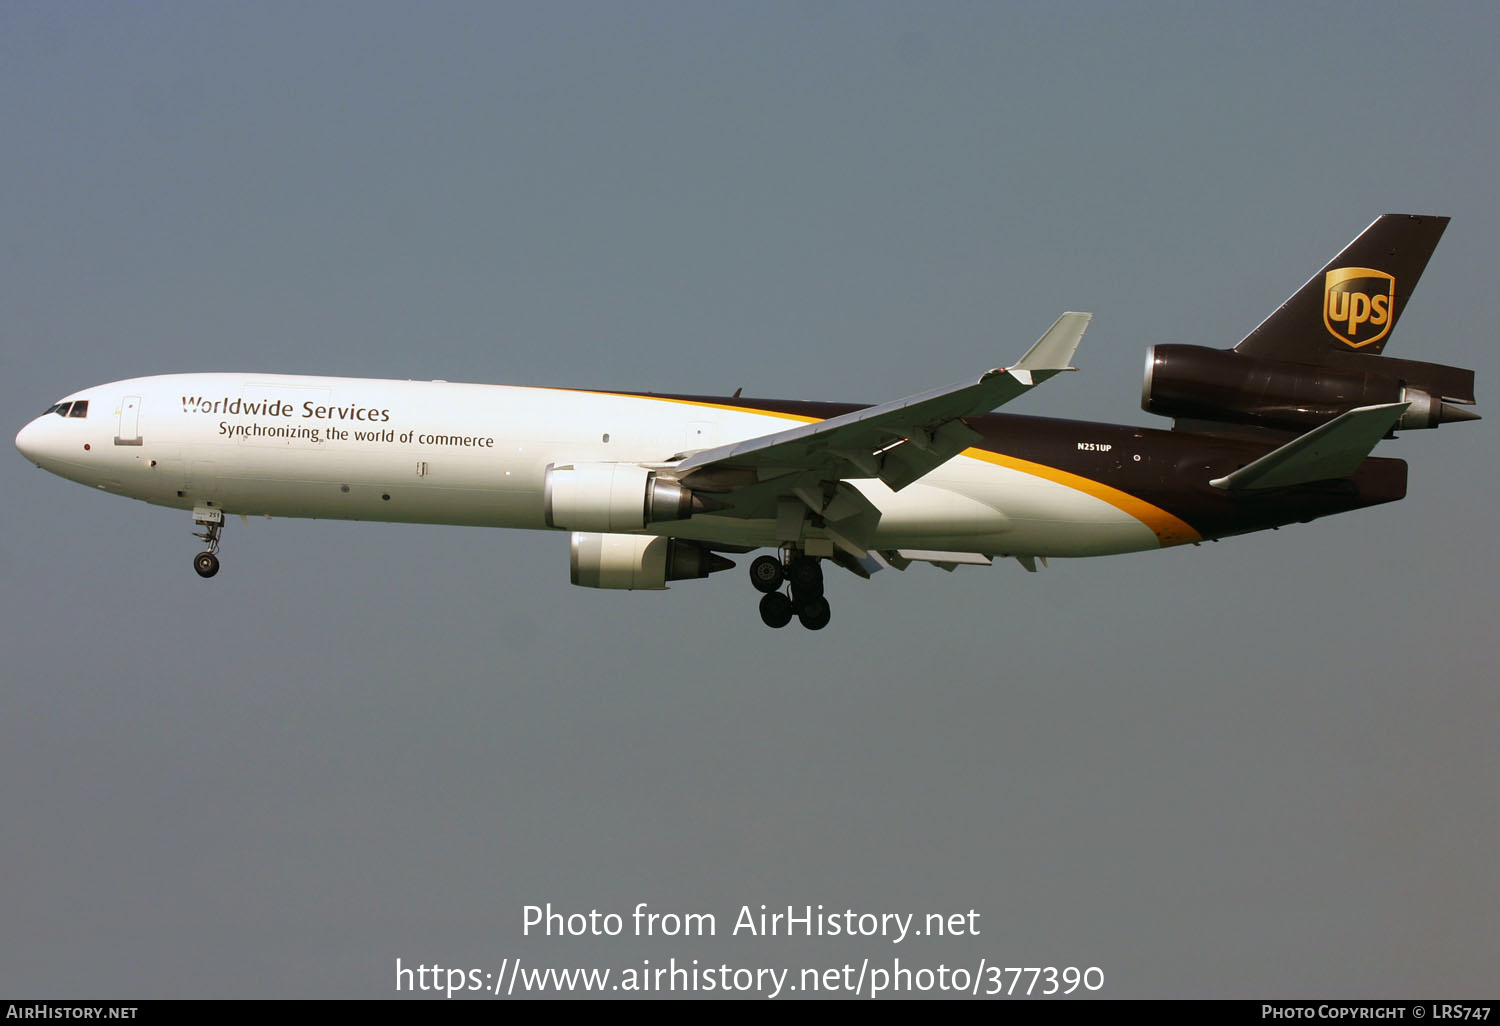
<point x="1357" y="305"/>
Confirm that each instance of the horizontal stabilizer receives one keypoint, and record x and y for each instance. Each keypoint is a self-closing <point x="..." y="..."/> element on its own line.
<point x="1329" y="451"/>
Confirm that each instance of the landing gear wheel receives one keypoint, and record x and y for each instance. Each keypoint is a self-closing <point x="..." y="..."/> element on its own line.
<point x="806" y="577"/>
<point x="206" y="563"/>
<point x="776" y="610"/>
<point x="814" y="613"/>
<point x="766" y="574"/>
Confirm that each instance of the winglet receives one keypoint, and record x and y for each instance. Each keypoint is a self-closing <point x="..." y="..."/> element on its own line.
<point x="1054" y="350"/>
<point x="1328" y="451"/>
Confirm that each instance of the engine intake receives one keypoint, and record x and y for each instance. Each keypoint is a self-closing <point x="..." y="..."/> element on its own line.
<point x="613" y="497"/>
<point x="638" y="562"/>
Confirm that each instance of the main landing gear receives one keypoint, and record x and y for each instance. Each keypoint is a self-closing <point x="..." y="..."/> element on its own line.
<point x="804" y="574"/>
<point x="212" y="522"/>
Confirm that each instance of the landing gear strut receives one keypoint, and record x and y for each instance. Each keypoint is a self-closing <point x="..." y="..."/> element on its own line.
<point x="806" y="602"/>
<point x="206" y="563"/>
<point x="806" y="575"/>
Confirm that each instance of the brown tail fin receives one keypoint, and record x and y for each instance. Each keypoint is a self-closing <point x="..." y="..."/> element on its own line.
<point x="1351" y="306"/>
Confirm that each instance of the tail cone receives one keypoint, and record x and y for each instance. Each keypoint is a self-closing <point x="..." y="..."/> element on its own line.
<point x="1453" y="414"/>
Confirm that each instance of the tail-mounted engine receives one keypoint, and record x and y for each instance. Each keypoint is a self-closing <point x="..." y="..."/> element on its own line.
<point x="614" y="497"/>
<point x="639" y="562"/>
<point x="1220" y="385"/>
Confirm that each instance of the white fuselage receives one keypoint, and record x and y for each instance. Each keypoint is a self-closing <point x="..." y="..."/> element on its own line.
<point x="447" y="453"/>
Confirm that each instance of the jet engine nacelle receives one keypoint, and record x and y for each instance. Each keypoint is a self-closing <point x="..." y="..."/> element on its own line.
<point x="612" y="497"/>
<point x="638" y="562"/>
<point x="1221" y="385"/>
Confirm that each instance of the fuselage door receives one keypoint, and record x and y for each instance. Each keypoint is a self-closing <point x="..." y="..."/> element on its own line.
<point x="129" y="432"/>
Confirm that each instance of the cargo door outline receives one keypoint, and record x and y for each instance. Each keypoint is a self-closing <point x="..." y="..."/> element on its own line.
<point x="129" y="431"/>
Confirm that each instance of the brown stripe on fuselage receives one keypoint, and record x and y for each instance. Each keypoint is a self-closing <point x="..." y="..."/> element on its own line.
<point x="1159" y="477"/>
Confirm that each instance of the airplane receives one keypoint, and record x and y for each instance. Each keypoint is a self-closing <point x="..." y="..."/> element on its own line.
<point x="655" y="488"/>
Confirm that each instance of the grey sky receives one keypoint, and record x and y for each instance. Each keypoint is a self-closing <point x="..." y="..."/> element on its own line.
<point x="1260" y="767"/>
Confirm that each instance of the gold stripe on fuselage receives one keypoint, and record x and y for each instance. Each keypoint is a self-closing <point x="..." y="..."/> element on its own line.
<point x="1169" y="529"/>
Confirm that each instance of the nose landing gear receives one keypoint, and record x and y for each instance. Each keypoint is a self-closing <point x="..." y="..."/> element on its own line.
<point x="806" y="602"/>
<point x="211" y="519"/>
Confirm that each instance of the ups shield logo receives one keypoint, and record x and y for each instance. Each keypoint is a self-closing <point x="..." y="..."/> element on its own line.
<point x="1357" y="305"/>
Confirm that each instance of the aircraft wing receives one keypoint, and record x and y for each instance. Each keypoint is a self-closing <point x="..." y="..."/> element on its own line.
<point x="898" y="442"/>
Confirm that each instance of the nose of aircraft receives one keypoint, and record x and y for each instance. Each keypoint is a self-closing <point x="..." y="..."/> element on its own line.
<point x="32" y="440"/>
<point x="26" y="441"/>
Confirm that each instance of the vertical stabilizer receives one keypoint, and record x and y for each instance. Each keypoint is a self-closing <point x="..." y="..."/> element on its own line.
<point x="1351" y="306"/>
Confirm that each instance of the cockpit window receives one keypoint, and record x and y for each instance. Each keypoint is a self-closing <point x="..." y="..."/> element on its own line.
<point x="80" y="409"/>
<point x="61" y="409"/>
